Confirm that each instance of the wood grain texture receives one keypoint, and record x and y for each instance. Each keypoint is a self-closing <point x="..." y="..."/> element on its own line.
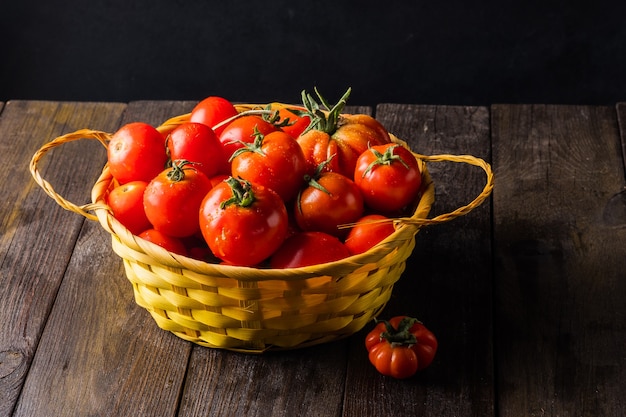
<point x="32" y="267"/>
<point x="559" y="287"/>
<point x="104" y="353"/>
<point x="452" y="298"/>
<point x="525" y="293"/>
<point x="621" y="118"/>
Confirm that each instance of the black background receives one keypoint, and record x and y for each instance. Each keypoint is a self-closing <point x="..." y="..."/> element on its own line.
<point x="424" y="52"/>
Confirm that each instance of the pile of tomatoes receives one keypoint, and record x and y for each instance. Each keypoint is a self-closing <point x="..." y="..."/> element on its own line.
<point x="269" y="187"/>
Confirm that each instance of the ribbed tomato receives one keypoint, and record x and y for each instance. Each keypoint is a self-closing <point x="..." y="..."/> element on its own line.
<point x="401" y="346"/>
<point x="344" y="137"/>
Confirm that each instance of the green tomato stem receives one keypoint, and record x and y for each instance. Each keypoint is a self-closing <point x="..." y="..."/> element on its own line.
<point x="401" y="335"/>
<point x="325" y="117"/>
<point x="387" y="158"/>
<point x="243" y="196"/>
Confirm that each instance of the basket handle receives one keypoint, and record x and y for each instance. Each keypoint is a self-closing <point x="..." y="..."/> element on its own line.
<point x="442" y="218"/>
<point x="104" y="138"/>
<point x="84" y="209"/>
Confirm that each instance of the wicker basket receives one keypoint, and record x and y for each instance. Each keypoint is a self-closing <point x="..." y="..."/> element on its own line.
<point x="254" y="310"/>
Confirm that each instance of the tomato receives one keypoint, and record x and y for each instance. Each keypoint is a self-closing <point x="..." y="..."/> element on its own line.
<point x="136" y="152"/>
<point x="388" y="176"/>
<point x="243" y="223"/>
<point x="196" y="142"/>
<point x="242" y="130"/>
<point x="368" y="231"/>
<point x="292" y="123"/>
<point x="343" y="136"/>
<point x="308" y="248"/>
<point x="126" y="202"/>
<point x="217" y="179"/>
<point x="401" y="347"/>
<point x="329" y="200"/>
<point x="275" y="161"/>
<point x="212" y="111"/>
<point x="172" y="199"/>
<point x="169" y="243"/>
<point x="202" y="253"/>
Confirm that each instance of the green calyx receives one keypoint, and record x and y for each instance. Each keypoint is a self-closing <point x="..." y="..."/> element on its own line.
<point x="177" y="173"/>
<point x="255" y="146"/>
<point x="401" y="335"/>
<point x="243" y="196"/>
<point x="324" y="117"/>
<point x="312" y="180"/>
<point x="273" y="117"/>
<point x="386" y="158"/>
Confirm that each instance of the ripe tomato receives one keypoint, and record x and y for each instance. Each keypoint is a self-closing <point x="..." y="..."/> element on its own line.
<point x="292" y="123"/>
<point x="308" y="248"/>
<point x="275" y="161"/>
<point x="172" y="199"/>
<point x="197" y="143"/>
<point x="170" y="243"/>
<point x="211" y="111"/>
<point x="329" y="200"/>
<point x="126" y="202"/>
<point x="343" y="136"/>
<point x="136" y="152"/>
<point x="242" y="130"/>
<point x="388" y="176"/>
<point x="368" y="231"/>
<point x="243" y="223"/>
<point x="401" y="347"/>
<point x="217" y="179"/>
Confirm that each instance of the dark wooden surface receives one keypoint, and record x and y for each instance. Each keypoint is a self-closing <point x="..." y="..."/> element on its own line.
<point x="526" y="293"/>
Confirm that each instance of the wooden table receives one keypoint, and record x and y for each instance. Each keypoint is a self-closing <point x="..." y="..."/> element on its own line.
<point x="526" y="293"/>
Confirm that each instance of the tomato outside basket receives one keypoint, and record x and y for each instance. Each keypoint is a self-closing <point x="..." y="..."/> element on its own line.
<point x="255" y="310"/>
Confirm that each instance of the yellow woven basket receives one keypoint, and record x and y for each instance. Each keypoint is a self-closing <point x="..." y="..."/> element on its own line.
<point x="254" y="310"/>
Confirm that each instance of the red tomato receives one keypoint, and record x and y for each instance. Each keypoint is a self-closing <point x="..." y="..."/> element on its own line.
<point x="136" y="152"/>
<point x="242" y="130"/>
<point x="292" y="123"/>
<point x="308" y="248"/>
<point x="388" y="176"/>
<point x="169" y="243"/>
<point x="343" y="136"/>
<point x="126" y="201"/>
<point x="328" y="201"/>
<point x="217" y="179"/>
<point x="196" y="142"/>
<point x="243" y="223"/>
<point x="401" y="347"/>
<point x="211" y="111"/>
<point x="202" y="253"/>
<point x="275" y="161"/>
<point x="368" y="231"/>
<point x="172" y="199"/>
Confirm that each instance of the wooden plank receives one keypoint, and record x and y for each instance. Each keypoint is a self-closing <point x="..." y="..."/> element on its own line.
<point x="104" y="354"/>
<point x="37" y="235"/>
<point x="223" y="383"/>
<point x="559" y="282"/>
<point x="447" y="283"/>
<point x="621" y="118"/>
